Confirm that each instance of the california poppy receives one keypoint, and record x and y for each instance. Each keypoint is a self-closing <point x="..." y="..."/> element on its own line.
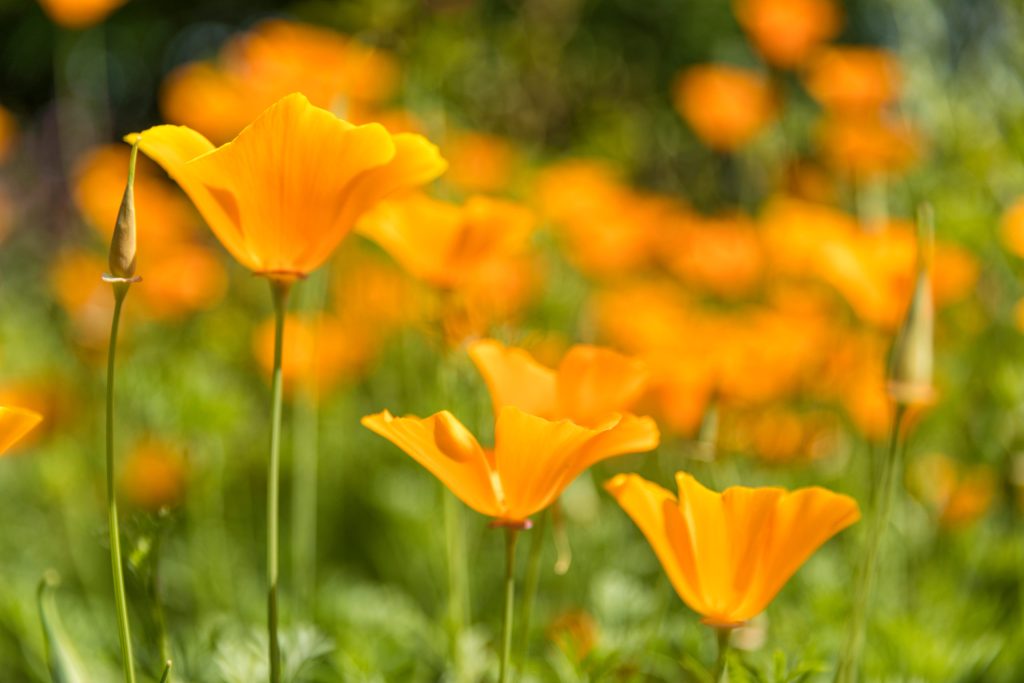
<point x="286" y="191"/>
<point x="854" y="78"/>
<point x="785" y="32"/>
<point x="79" y="14"/>
<point x="15" y="423"/>
<point x="154" y="476"/>
<point x="728" y="554"/>
<point x="532" y="462"/>
<point x="726" y="106"/>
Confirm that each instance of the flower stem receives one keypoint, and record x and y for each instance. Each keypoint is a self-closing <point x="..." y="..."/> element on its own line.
<point x="511" y="536"/>
<point x="531" y="583"/>
<point x="120" y="601"/>
<point x="279" y="291"/>
<point x="722" y="635"/>
<point x="884" y="495"/>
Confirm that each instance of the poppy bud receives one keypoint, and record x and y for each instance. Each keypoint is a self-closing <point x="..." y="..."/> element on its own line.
<point x="122" y="245"/>
<point x="912" y="355"/>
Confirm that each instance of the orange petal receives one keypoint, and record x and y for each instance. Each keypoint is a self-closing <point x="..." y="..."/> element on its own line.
<point x="448" y="450"/>
<point x="655" y="510"/>
<point x="289" y="177"/>
<point x="14" y="424"/>
<point x="514" y="378"/>
<point x="173" y="147"/>
<point x="535" y="459"/>
<point x="594" y="383"/>
<point x="630" y="434"/>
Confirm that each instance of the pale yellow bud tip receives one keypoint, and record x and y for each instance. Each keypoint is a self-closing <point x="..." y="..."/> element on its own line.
<point x="123" y="243"/>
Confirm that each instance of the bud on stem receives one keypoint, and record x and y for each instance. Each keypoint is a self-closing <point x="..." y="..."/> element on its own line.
<point x="123" y="243"/>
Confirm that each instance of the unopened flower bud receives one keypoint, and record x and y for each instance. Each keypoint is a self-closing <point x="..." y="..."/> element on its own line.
<point x="912" y="356"/>
<point x="123" y="243"/>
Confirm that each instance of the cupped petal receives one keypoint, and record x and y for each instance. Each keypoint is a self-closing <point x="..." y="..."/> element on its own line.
<point x="289" y="176"/>
<point x="656" y="512"/>
<point x="628" y="434"/>
<point x="595" y="382"/>
<point x="514" y="378"/>
<point x="533" y="456"/>
<point x="701" y="536"/>
<point x="442" y="445"/>
<point x="15" y="423"/>
<point x="173" y="147"/>
<point x="802" y="522"/>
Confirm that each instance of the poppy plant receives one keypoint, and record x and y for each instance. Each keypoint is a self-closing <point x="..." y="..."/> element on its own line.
<point x="728" y="554"/>
<point x="15" y="423"/>
<point x="280" y="197"/>
<point x="532" y="462"/>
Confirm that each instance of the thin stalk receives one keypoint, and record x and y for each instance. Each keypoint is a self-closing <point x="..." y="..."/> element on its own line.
<point x="120" y="601"/>
<point x="531" y="583"/>
<point x="848" y="669"/>
<point x="163" y="641"/>
<point x="511" y="536"/>
<point x="279" y="291"/>
<point x="166" y="677"/>
<point x="722" y="635"/>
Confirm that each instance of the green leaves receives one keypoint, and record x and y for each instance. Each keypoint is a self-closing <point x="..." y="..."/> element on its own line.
<point x="61" y="658"/>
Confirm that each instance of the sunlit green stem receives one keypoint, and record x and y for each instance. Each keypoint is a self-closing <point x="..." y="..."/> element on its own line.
<point x="120" y="601"/>
<point x="166" y="677"/>
<point x="279" y="290"/>
<point x="722" y="636"/>
<point x="531" y="582"/>
<point x="882" y="502"/>
<point x="511" y="536"/>
<point x="163" y="642"/>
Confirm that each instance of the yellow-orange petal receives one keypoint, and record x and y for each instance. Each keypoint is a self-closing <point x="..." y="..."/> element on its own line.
<point x="628" y="434"/>
<point x="514" y="378"/>
<point x="79" y="14"/>
<point x="15" y="423"/>
<point x="651" y="507"/>
<point x="536" y="459"/>
<point x="442" y="445"/>
<point x="595" y="383"/>
<point x="173" y="147"/>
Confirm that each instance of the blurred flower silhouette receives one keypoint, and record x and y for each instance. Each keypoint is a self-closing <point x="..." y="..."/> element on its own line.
<point x="854" y="79"/>
<point x="79" y="14"/>
<point x="728" y="554"/>
<point x="153" y="476"/>
<point x="15" y="423"/>
<point x="480" y="162"/>
<point x="958" y="496"/>
<point x="786" y="32"/>
<point x="532" y="462"/>
<point x="276" y="196"/>
<point x="726" y="106"/>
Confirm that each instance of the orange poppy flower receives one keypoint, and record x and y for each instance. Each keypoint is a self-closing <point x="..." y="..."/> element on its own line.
<point x="286" y="191"/>
<point x="722" y="254"/>
<point x="786" y="32"/>
<point x="590" y="386"/>
<point x="725" y="105"/>
<point x="869" y="144"/>
<point x="532" y="462"/>
<point x="154" y="476"/>
<point x="854" y="78"/>
<point x="728" y="554"/>
<point x="79" y="14"/>
<point x="447" y="245"/>
<point x="1012" y="228"/>
<point x="480" y="162"/>
<point x="15" y="423"/>
<point x="958" y="495"/>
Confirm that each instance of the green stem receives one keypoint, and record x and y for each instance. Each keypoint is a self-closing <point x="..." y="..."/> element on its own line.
<point x="166" y="677"/>
<point x="279" y="291"/>
<point x="531" y="583"/>
<point x="884" y="494"/>
<point x="163" y="642"/>
<point x="120" y="601"/>
<point x="722" y="635"/>
<point x="511" y="536"/>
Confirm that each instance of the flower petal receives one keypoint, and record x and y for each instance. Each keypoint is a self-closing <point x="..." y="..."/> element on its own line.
<point x="630" y="434"/>
<point x="15" y="423"/>
<point x="448" y="450"/>
<point x="514" y="378"/>
<point x="594" y="383"/>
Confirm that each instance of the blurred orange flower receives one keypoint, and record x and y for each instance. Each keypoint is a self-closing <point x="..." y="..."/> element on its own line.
<point x="277" y="196"/>
<point x="722" y="254"/>
<point x="447" y="245"/>
<point x="778" y="434"/>
<point x="75" y="280"/>
<point x="15" y="423"/>
<point x="1012" y="227"/>
<point x="728" y="554"/>
<point x="958" y="496"/>
<point x="869" y="144"/>
<point x="786" y="32"/>
<point x="480" y="162"/>
<point x="8" y="133"/>
<point x="79" y="14"/>
<point x="273" y="59"/>
<point x="853" y="78"/>
<point x="153" y="476"/>
<point x="532" y="462"/>
<point x="725" y="105"/>
<point x="575" y="633"/>
<point x="592" y="385"/>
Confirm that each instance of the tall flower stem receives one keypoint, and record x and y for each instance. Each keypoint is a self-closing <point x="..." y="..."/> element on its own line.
<point x="531" y="583"/>
<point x="722" y="636"/>
<point x="120" y="601"/>
<point x="279" y="291"/>
<point x="511" y="536"/>
<point x="884" y="496"/>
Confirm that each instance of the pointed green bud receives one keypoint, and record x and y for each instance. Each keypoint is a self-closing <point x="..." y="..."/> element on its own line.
<point x="912" y="355"/>
<point x="122" y="245"/>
